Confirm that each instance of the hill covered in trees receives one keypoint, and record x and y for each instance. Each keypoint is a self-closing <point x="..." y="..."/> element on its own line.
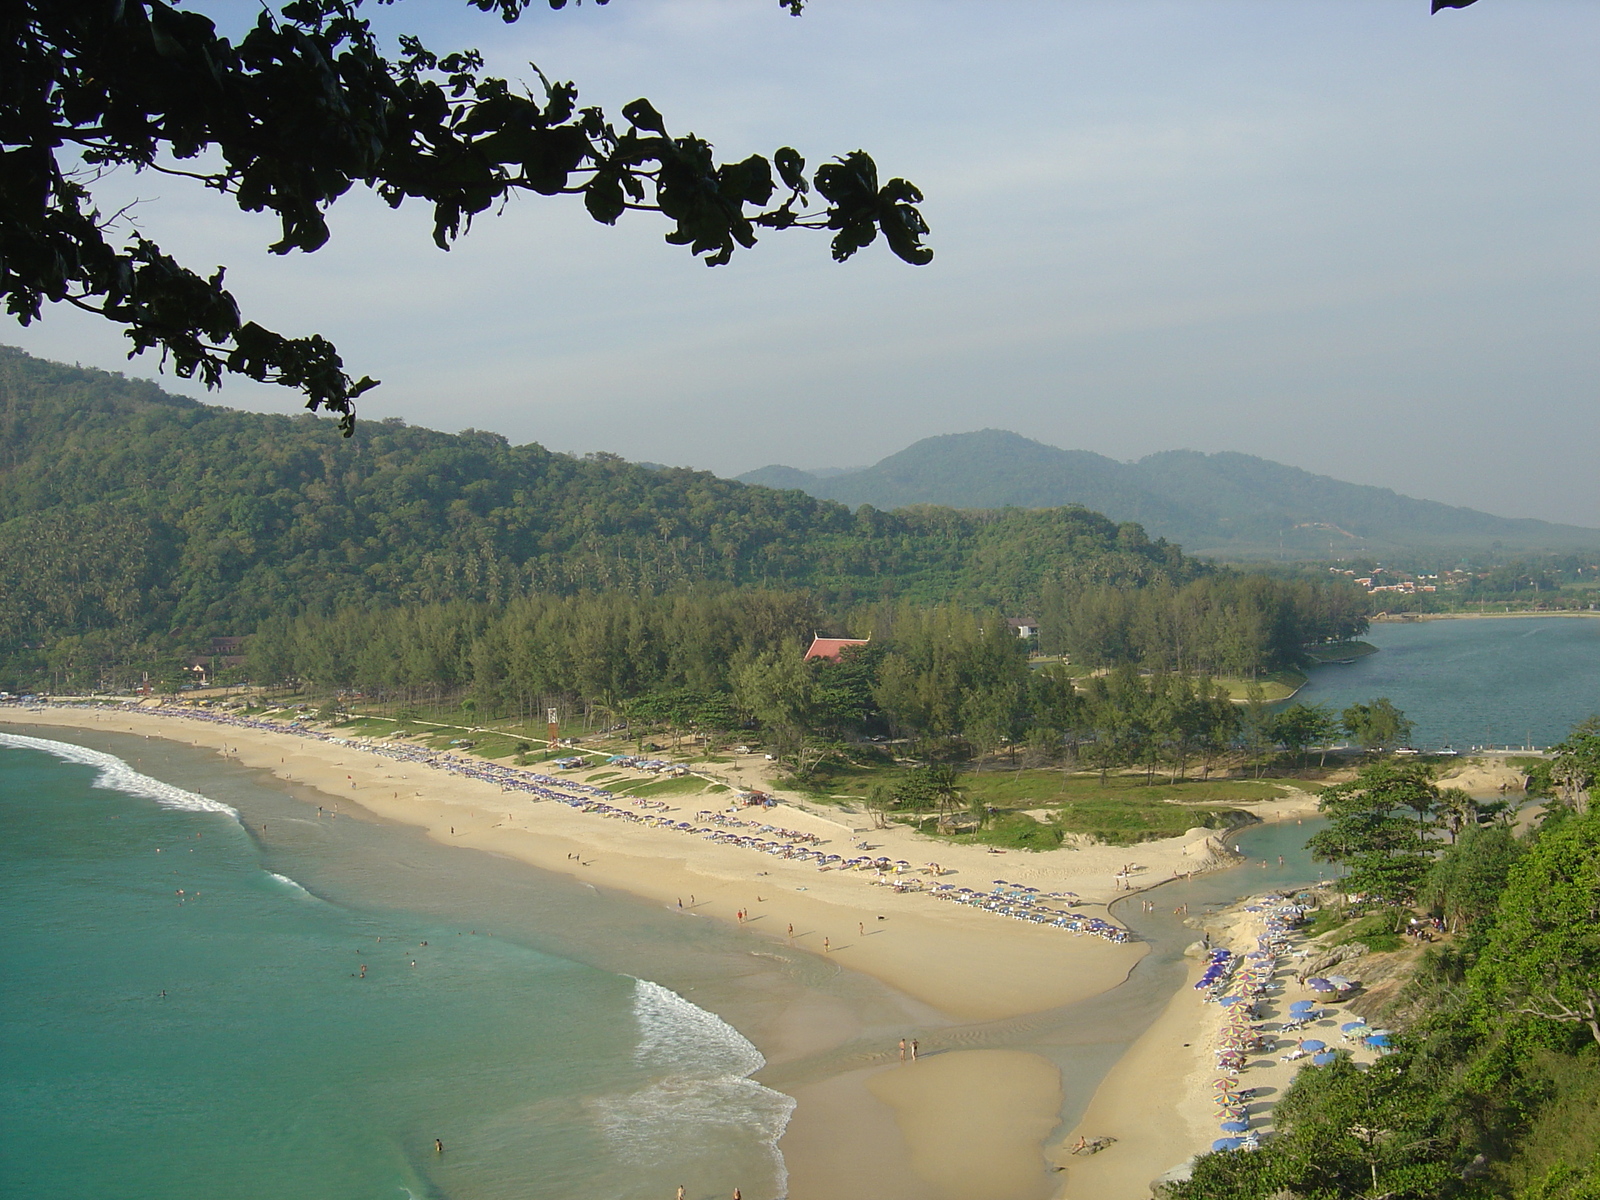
<point x="1229" y="505"/>
<point x="128" y="514"/>
<point x="119" y="502"/>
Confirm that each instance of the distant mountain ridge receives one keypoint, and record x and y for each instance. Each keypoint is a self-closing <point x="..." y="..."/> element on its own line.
<point x="1226" y="504"/>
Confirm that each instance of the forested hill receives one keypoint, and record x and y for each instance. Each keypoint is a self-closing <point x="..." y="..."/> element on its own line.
<point x="1234" y="506"/>
<point x="124" y="506"/>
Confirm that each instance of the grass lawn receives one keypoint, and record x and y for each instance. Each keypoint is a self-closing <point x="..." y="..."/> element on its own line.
<point x="1376" y="932"/>
<point x="686" y="786"/>
<point x="1047" y="789"/>
<point x="1325" y="920"/>
<point x="1279" y="685"/>
<point x="1116" y="820"/>
<point x="1123" y="812"/>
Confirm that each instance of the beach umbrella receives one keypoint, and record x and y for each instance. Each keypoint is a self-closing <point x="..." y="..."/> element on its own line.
<point x="1234" y="1126"/>
<point x="1322" y="1060"/>
<point x="1377" y="1039"/>
<point x="1349" y="1025"/>
<point x="1313" y="1045"/>
<point x="1228" y="1143"/>
<point x="1302" y="1004"/>
<point x="1340" y="982"/>
<point x="1380" y="1032"/>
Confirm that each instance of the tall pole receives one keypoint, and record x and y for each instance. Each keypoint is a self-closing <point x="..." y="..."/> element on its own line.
<point x="555" y="726"/>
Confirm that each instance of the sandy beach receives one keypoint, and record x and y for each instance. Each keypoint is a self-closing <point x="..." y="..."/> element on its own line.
<point x="964" y="964"/>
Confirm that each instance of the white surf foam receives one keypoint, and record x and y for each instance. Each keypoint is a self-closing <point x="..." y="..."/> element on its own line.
<point x="678" y="1035"/>
<point x="703" y="1095"/>
<point x="292" y="884"/>
<point x="117" y="776"/>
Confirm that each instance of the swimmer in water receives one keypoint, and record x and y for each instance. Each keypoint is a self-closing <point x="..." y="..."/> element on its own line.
<point x="438" y="1146"/>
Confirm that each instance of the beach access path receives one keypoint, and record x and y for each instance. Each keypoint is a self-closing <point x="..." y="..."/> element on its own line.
<point x="964" y="962"/>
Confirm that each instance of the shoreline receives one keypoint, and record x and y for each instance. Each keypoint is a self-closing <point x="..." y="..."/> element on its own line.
<point x="1413" y="618"/>
<point x="965" y="964"/>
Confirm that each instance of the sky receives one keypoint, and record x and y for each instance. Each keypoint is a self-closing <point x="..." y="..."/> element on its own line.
<point x="1340" y="234"/>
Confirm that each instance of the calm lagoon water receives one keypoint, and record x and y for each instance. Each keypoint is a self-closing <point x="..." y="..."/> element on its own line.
<point x="183" y="1011"/>
<point x="1475" y="682"/>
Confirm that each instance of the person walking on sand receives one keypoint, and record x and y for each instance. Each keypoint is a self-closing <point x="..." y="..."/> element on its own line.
<point x="826" y="946"/>
<point x="680" y="1191"/>
<point x="913" y="1049"/>
<point x="861" y="929"/>
<point x="902" y="1049"/>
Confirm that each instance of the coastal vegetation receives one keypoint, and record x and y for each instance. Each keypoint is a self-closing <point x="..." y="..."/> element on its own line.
<point x="1493" y="1089"/>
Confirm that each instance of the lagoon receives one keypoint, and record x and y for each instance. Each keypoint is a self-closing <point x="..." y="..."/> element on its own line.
<point x="1491" y="681"/>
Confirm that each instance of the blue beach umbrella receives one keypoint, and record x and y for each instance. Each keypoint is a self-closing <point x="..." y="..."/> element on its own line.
<point x="1378" y="1039"/>
<point x="1313" y="1045"/>
<point x="1227" y="1144"/>
<point x="1349" y="1025"/>
<point x="1322" y="1060"/>
<point x="1302" y="1005"/>
<point x="1234" y="1126"/>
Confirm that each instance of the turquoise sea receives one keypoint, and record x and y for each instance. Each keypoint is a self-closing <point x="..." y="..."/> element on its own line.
<point x="209" y="993"/>
<point x="1480" y="682"/>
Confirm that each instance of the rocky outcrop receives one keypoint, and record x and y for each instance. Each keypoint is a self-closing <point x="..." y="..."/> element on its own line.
<point x="1331" y="958"/>
<point x="1207" y="852"/>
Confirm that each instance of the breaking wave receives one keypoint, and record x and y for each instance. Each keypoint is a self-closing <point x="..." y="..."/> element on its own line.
<point x="702" y="1096"/>
<point x="293" y="885"/>
<point x="117" y="776"/>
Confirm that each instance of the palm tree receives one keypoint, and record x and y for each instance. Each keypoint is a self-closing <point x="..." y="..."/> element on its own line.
<point x="1459" y="810"/>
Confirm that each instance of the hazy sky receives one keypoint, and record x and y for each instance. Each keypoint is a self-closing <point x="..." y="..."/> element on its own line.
<point x="1341" y="234"/>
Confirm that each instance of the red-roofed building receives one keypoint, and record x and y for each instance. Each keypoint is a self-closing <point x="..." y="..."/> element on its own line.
<point x="831" y="648"/>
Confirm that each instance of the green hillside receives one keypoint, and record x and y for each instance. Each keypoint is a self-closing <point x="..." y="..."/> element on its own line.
<point x="1227" y="505"/>
<point x="124" y="507"/>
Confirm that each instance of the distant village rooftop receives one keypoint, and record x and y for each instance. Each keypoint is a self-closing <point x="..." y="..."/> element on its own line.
<point x="831" y="648"/>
